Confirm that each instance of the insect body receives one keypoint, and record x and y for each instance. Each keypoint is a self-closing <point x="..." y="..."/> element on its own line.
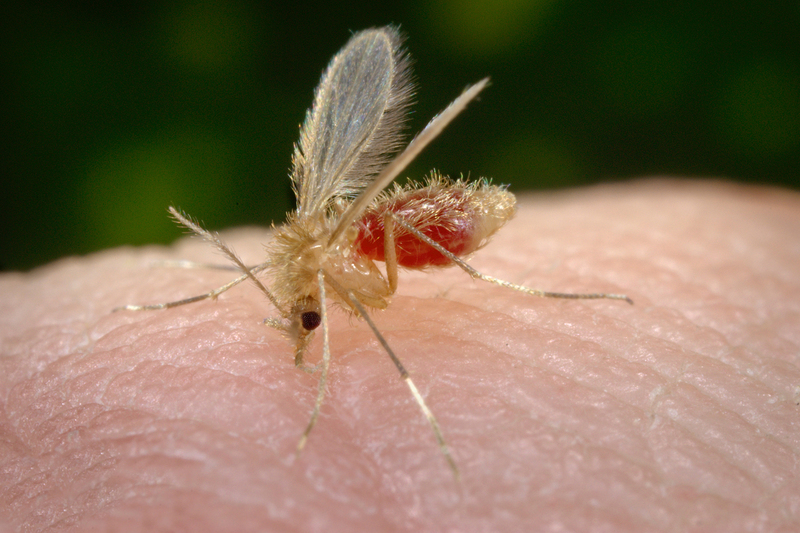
<point x="344" y="220"/>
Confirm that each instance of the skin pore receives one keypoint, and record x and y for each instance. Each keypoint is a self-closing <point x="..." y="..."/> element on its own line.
<point x="678" y="413"/>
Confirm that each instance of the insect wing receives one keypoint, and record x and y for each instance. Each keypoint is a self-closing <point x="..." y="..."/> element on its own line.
<point x="355" y="121"/>
<point x="399" y="163"/>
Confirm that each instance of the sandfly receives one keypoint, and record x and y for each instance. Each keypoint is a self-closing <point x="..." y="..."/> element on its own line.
<point x="345" y="220"/>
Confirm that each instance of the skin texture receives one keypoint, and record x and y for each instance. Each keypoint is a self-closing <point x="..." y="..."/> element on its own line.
<point x="679" y="413"/>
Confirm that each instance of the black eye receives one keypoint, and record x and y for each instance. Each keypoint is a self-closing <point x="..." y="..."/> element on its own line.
<point x="311" y="320"/>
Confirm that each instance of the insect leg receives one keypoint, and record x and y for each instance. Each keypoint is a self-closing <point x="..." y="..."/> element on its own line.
<point x="351" y="296"/>
<point x="214" y="239"/>
<point x="403" y="375"/>
<point x="491" y="279"/>
<point x="389" y="251"/>
<point x="326" y="360"/>
<point x="209" y="295"/>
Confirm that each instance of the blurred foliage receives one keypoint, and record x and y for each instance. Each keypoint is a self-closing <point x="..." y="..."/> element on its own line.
<point x="113" y="112"/>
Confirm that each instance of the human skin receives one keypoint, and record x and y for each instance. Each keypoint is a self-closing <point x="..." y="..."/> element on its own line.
<point x="678" y="413"/>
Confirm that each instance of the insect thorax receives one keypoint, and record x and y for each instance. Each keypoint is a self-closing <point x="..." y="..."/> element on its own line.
<point x="300" y="249"/>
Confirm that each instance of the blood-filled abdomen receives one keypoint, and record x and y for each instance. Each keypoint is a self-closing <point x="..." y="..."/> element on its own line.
<point x="459" y="216"/>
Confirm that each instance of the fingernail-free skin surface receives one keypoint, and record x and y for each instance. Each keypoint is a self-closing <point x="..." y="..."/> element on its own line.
<point x="676" y="414"/>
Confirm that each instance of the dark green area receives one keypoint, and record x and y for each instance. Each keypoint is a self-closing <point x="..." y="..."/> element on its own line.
<point x="113" y="112"/>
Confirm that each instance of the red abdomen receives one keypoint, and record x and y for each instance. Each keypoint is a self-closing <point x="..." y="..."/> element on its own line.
<point x="457" y="215"/>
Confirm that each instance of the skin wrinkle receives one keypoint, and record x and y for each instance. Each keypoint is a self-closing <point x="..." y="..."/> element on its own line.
<point x="675" y="414"/>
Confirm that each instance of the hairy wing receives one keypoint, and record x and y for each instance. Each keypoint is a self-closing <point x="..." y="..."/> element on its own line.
<point x="399" y="163"/>
<point x="354" y="123"/>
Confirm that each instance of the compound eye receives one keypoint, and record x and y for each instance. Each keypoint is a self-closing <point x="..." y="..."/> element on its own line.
<point x="311" y="320"/>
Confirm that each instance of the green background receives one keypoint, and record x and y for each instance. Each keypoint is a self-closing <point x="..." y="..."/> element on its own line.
<point x="113" y="112"/>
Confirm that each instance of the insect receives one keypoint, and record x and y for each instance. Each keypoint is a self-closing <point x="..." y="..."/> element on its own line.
<point x="345" y="220"/>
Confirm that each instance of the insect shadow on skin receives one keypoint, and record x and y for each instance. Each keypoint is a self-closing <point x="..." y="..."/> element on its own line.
<point x="345" y="220"/>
